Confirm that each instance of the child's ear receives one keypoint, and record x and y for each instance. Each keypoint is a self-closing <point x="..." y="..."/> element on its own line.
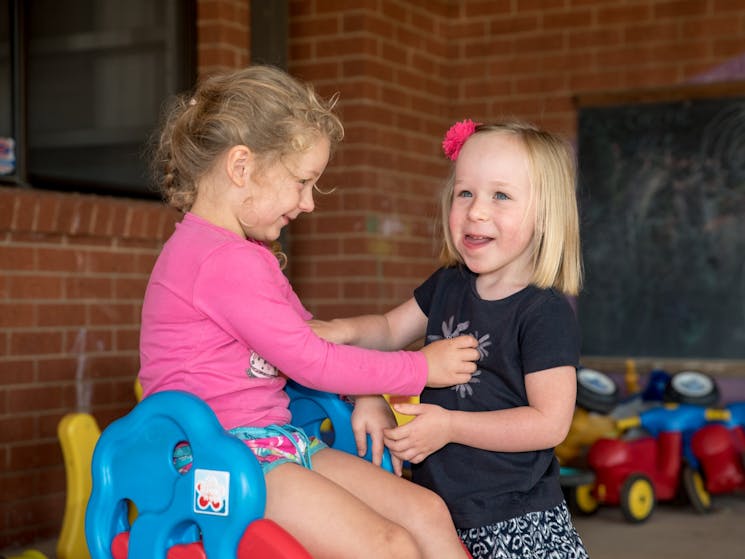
<point x="239" y="163"/>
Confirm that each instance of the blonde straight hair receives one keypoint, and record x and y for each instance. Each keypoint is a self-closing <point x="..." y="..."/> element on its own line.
<point x="556" y="256"/>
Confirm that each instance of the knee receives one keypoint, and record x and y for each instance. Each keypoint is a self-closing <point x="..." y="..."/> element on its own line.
<point x="396" y="542"/>
<point x="433" y="510"/>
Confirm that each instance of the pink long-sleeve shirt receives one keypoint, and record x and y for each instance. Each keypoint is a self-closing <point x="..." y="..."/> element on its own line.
<point x="220" y="320"/>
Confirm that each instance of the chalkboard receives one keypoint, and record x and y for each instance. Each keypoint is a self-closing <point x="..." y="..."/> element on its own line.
<point x="662" y="197"/>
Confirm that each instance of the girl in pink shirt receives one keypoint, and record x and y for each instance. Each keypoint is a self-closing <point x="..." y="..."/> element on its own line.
<point x="241" y="158"/>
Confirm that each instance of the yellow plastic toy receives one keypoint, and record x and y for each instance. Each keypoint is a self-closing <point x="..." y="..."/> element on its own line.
<point x="631" y="377"/>
<point x="29" y="554"/>
<point x="586" y="428"/>
<point x="401" y="419"/>
<point x="78" y="434"/>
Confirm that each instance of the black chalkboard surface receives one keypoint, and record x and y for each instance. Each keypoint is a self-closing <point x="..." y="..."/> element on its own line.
<point x="662" y="194"/>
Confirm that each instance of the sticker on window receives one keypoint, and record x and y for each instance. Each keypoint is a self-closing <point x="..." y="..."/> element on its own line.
<point x="7" y="156"/>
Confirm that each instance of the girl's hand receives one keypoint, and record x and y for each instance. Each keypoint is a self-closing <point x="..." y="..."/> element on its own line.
<point x="428" y="432"/>
<point x="372" y="415"/>
<point x="451" y="361"/>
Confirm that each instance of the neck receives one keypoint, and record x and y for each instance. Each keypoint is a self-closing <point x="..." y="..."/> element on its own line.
<point x="494" y="288"/>
<point x="211" y="210"/>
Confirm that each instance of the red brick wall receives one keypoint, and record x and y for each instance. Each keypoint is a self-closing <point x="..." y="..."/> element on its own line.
<point x="73" y="274"/>
<point x="223" y="34"/>
<point x="372" y="238"/>
<point x="74" y="267"/>
<point x="532" y="59"/>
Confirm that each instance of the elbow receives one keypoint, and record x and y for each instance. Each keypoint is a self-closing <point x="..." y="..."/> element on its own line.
<point x="557" y="433"/>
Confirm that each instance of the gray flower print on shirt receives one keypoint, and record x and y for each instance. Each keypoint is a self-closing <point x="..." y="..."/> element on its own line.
<point x="466" y="389"/>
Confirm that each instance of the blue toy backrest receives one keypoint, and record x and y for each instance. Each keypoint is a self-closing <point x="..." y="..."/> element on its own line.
<point x="737" y="414"/>
<point x="310" y="408"/>
<point x="220" y="495"/>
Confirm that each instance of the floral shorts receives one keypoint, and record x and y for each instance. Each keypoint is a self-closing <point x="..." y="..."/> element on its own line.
<point x="537" y="535"/>
<point x="272" y="445"/>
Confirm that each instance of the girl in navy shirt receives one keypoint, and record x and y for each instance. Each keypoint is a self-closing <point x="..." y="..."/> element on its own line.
<point x="511" y="255"/>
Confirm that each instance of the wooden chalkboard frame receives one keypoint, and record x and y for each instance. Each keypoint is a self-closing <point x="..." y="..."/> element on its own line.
<point x="654" y="336"/>
<point x="686" y="92"/>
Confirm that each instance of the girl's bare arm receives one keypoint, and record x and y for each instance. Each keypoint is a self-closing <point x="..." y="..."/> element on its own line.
<point x="543" y="423"/>
<point x="393" y="330"/>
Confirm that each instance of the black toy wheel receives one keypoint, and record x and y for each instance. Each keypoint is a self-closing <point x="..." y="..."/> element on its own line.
<point x="596" y="391"/>
<point x="637" y="498"/>
<point x="692" y="387"/>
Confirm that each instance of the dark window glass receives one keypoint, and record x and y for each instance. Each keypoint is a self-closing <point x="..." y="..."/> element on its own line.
<point x="97" y="73"/>
<point x="7" y="135"/>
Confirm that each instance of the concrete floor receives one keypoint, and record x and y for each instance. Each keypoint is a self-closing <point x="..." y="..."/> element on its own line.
<point x="672" y="532"/>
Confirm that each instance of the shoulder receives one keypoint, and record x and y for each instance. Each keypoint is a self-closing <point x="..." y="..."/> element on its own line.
<point x="536" y="300"/>
<point x="441" y="281"/>
<point x="546" y="312"/>
<point x="241" y="259"/>
<point x="218" y="257"/>
<point x="449" y="276"/>
<point x="548" y="331"/>
<point x="199" y="240"/>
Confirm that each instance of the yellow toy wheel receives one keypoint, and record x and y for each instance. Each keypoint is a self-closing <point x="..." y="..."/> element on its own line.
<point x="637" y="498"/>
<point x="695" y="488"/>
<point x="583" y="500"/>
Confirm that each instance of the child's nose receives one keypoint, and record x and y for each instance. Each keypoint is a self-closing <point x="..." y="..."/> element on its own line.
<point x="306" y="200"/>
<point x="477" y="211"/>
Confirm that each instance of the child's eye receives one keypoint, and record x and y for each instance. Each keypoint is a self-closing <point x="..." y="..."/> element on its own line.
<point x="464" y="194"/>
<point x="304" y="182"/>
<point x="501" y="196"/>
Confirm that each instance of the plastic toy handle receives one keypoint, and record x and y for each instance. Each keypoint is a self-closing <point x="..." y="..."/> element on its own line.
<point x="628" y="423"/>
<point x="718" y="415"/>
<point x="631" y="377"/>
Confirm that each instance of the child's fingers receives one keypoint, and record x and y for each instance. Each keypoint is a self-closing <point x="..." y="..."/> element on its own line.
<point x="377" y="450"/>
<point x="407" y="408"/>
<point x="360" y="439"/>
<point x="466" y="341"/>
<point x="468" y="348"/>
<point x="395" y="434"/>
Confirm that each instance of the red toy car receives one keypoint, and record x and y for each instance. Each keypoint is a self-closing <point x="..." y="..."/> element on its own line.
<point x="718" y="465"/>
<point x="636" y="473"/>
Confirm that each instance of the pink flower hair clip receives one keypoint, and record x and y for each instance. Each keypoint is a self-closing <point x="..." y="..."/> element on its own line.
<point x="457" y="136"/>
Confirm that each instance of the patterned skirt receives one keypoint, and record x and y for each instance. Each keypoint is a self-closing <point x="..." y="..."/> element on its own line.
<point x="537" y="535"/>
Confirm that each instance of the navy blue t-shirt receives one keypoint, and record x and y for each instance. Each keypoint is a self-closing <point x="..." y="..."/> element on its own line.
<point x="531" y="330"/>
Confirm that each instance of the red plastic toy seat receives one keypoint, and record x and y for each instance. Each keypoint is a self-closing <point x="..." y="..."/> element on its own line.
<point x="716" y="446"/>
<point x="263" y="538"/>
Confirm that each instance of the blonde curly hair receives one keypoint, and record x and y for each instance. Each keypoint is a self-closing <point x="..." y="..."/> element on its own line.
<point x="261" y="107"/>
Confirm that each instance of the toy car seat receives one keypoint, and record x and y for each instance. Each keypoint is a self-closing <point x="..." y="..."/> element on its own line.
<point x="202" y="512"/>
<point x="311" y="408"/>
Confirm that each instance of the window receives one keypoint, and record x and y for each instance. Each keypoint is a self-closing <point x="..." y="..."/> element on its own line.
<point x="88" y="79"/>
<point x="7" y="126"/>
